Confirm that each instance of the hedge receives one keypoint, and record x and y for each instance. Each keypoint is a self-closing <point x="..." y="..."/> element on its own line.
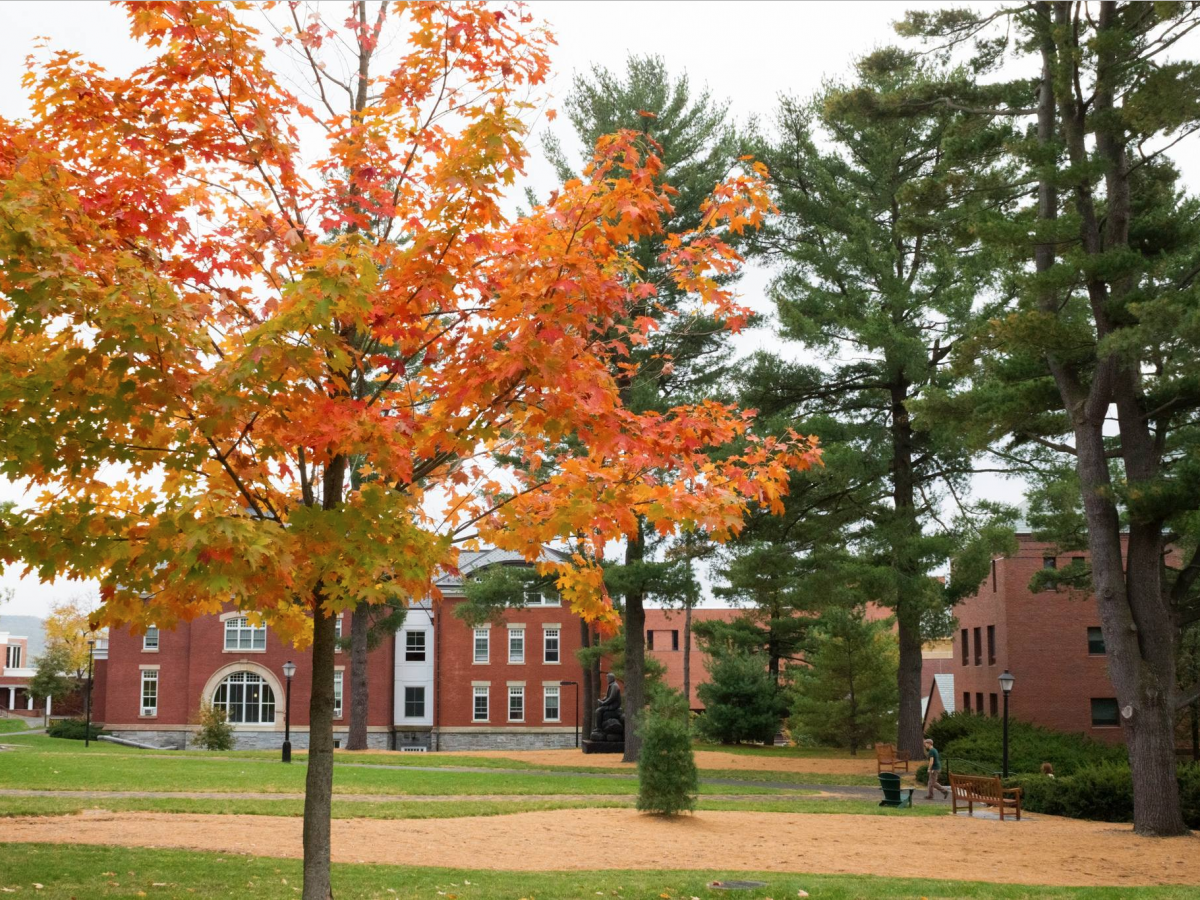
<point x="1102" y="792"/>
<point x="965" y="736"/>
<point x="73" y="729"/>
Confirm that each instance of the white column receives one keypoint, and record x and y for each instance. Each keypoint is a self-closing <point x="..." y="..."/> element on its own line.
<point x="12" y="698"/>
<point x="28" y="700"/>
<point x="47" y="708"/>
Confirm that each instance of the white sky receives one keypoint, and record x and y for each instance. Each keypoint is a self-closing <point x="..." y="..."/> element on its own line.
<point x="748" y="52"/>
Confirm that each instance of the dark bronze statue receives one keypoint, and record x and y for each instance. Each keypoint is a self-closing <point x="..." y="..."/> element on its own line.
<point x="610" y="714"/>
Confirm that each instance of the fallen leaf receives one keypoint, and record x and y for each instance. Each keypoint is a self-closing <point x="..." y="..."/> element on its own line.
<point x="805" y="894"/>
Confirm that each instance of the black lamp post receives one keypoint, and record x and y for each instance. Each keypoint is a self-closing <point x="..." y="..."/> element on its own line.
<point x="574" y="684"/>
<point x="1006" y="685"/>
<point x="289" y="669"/>
<point x="87" y="700"/>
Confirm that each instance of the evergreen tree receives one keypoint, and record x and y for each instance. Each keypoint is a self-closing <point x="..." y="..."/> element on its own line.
<point x="845" y="694"/>
<point x="741" y="702"/>
<point x="1102" y="330"/>
<point x="688" y="356"/>
<point x="668" y="780"/>
<point x="880" y="274"/>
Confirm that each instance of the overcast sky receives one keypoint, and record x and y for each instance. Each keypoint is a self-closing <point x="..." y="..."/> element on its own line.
<point x="748" y="52"/>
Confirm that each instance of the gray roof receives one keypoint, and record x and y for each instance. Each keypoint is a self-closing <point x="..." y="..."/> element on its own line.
<point x="27" y="627"/>
<point x="945" y="687"/>
<point x="472" y="560"/>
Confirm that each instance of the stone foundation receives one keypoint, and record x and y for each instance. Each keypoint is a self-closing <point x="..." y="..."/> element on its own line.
<point x="514" y="740"/>
<point x="243" y="740"/>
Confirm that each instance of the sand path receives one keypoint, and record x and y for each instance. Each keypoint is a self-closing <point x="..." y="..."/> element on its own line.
<point x="1037" y="850"/>
<point x="705" y="759"/>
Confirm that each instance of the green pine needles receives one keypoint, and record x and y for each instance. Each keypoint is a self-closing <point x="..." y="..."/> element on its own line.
<point x="667" y="776"/>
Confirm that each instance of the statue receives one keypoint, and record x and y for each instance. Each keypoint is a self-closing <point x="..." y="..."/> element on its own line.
<point x="610" y="715"/>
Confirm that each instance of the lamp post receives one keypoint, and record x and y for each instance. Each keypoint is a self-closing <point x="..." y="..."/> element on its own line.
<point x="574" y="684"/>
<point x="1006" y="685"/>
<point x="87" y="700"/>
<point x="289" y="669"/>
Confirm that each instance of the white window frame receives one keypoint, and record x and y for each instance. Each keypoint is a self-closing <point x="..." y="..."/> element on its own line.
<point x="264" y="687"/>
<point x="477" y="691"/>
<point x="516" y="635"/>
<point x="486" y="636"/>
<point x="245" y="633"/>
<point x="548" y="691"/>
<point x="149" y="678"/>
<point x="150" y="639"/>
<point x="12" y="657"/>
<point x="542" y="596"/>
<point x="339" y="683"/>
<point x="556" y="633"/>
<point x="515" y="691"/>
<point x="416" y="632"/>
<point x="415" y="687"/>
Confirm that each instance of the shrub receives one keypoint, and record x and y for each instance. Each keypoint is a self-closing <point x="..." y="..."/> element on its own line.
<point x="979" y="739"/>
<point x="667" y="775"/>
<point x="215" y="731"/>
<point x="1103" y="793"/>
<point x="741" y="702"/>
<point x="74" y="730"/>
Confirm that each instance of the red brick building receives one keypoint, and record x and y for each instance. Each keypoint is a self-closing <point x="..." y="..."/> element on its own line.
<point x="440" y="684"/>
<point x="20" y="645"/>
<point x="1050" y="641"/>
<point x="665" y="643"/>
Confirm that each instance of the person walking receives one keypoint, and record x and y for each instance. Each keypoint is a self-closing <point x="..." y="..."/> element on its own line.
<point x="935" y="769"/>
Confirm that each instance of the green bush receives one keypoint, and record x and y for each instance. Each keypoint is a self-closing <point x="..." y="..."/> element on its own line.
<point x="741" y="702"/>
<point x="965" y="736"/>
<point x="215" y="731"/>
<point x="667" y="776"/>
<point x="1103" y="793"/>
<point x="73" y="730"/>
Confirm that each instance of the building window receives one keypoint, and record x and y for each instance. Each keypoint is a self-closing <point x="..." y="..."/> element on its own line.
<point x="414" y="646"/>
<point x="337" y="694"/>
<point x="966" y="648"/>
<point x="1104" y="713"/>
<point x="550" y="640"/>
<point x="12" y="658"/>
<point x="241" y="635"/>
<point x="675" y="640"/>
<point x="649" y="640"/>
<point x="966" y="701"/>
<point x="480" y="712"/>
<point x="1049" y="562"/>
<point x="337" y="627"/>
<point x="1096" y="642"/>
<point x="979" y="702"/>
<point x="246" y="699"/>
<point x="414" y="703"/>
<point x="978" y="646"/>
<point x="149" y="692"/>
<point x="516" y="704"/>
<point x="550" y="708"/>
<point x="991" y="636"/>
<point x="150" y="638"/>
<point x="542" y="596"/>
<point x="481" y="645"/>
<point x="516" y="645"/>
<point x="993" y="704"/>
<point x="993" y="576"/>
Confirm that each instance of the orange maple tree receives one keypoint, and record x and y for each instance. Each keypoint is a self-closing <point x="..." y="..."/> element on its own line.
<point x="218" y="298"/>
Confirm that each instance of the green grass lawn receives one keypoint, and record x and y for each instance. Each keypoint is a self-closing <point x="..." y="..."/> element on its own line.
<point x="63" y="872"/>
<point x="12" y="726"/>
<point x="145" y="771"/>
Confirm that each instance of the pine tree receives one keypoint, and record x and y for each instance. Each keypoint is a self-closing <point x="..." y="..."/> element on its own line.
<point x="741" y="702"/>
<point x="845" y="694"/>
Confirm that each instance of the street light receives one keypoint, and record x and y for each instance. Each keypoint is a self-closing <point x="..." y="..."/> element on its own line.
<point x="87" y="700"/>
<point x="574" y="684"/>
<point x="289" y="669"/>
<point x="1006" y="685"/>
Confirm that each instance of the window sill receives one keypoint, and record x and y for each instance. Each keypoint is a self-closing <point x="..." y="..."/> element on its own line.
<point x="148" y="715"/>
<point x="149" y="649"/>
<point x="551" y="662"/>
<point x="516" y="721"/>
<point x="480" y="721"/>
<point x="227" y="650"/>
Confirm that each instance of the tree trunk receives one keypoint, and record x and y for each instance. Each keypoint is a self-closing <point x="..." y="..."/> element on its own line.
<point x="635" y="653"/>
<point x="587" y="693"/>
<point x="318" y="786"/>
<point x="687" y="654"/>
<point x="360" y="626"/>
<point x="1196" y="731"/>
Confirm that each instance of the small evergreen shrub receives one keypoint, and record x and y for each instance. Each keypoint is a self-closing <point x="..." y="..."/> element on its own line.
<point x="74" y="730"/>
<point x="667" y="776"/>
<point x="215" y="731"/>
<point x="741" y="702"/>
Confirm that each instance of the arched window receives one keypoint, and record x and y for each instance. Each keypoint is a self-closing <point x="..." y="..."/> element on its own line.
<point x="246" y="699"/>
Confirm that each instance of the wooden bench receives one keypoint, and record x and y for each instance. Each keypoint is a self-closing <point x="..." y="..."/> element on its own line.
<point x="972" y="789"/>
<point x="887" y="759"/>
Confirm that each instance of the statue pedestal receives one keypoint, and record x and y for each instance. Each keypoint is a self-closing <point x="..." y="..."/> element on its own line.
<point x="603" y="746"/>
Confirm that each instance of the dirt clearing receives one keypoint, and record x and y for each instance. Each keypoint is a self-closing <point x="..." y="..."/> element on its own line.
<point x="705" y="759"/>
<point x="1041" y="850"/>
